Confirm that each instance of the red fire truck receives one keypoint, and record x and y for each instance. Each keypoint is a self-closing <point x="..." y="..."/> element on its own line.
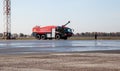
<point x="52" y="32"/>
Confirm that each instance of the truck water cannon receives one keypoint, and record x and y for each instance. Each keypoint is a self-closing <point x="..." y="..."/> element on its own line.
<point x="66" y="24"/>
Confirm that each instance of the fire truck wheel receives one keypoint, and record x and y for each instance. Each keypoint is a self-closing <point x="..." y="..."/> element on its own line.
<point x="43" y="37"/>
<point x="57" y="37"/>
<point x="38" y="37"/>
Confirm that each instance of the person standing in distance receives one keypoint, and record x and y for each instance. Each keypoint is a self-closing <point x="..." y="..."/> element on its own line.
<point x="96" y="36"/>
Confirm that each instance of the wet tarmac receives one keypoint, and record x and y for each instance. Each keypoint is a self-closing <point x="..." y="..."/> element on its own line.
<point x="44" y="46"/>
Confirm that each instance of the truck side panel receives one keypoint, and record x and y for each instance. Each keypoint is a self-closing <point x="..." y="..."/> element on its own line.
<point x="53" y="33"/>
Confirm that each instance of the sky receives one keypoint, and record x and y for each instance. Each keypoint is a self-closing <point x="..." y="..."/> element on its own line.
<point x="85" y="15"/>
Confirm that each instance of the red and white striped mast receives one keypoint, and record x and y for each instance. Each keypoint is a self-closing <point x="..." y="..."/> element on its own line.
<point x="7" y="19"/>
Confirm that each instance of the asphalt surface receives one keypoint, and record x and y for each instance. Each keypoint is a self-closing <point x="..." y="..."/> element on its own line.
<point x="44" y="46"/>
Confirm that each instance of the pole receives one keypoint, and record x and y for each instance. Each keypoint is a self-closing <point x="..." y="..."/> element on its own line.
<point x="7" y="19"/>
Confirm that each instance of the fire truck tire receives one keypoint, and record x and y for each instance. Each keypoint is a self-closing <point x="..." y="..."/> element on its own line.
<point x="38" y="36"/>
<point x="57" y="37"/>
<point x="43" y="37"/>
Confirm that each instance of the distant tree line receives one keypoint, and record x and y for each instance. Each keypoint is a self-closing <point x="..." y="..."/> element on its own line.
<point x="102" y="34"/>
<point x="20" y="35"/>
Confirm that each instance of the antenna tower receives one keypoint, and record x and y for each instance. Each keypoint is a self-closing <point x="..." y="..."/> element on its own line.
<point x="7" y="19"/>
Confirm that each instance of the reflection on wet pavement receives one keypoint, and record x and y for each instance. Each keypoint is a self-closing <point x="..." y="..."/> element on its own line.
<point x="30" y="46"/>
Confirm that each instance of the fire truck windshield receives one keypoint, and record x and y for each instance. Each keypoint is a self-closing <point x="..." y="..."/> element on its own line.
<point x="68" y="30"/>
